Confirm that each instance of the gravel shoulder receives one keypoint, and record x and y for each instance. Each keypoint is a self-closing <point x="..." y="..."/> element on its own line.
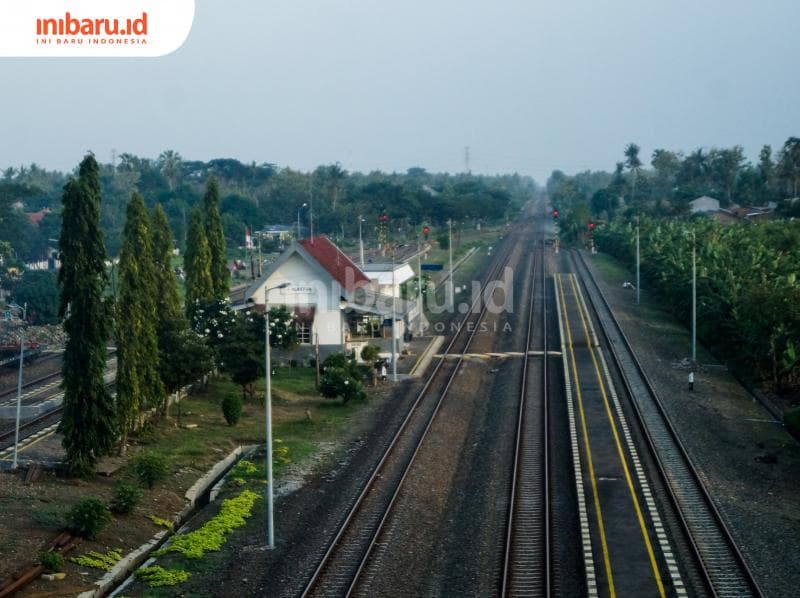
<point x="748" y="461"/>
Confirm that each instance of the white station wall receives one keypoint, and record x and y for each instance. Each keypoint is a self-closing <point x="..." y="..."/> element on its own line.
<point x="307" y="288"/>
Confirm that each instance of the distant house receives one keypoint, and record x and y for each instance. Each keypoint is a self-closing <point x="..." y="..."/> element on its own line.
<point x="704" y="205"/>
<point x="751" y="213"/>
<point x="36" y="217"/>
<point x="277" y="232"/>
<point x="735" y="214"/>
<point x="387" y="281"/>
<point x="333" y="302"/>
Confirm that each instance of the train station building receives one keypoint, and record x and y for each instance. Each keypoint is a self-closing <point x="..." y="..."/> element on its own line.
<point x="333" y="302"/>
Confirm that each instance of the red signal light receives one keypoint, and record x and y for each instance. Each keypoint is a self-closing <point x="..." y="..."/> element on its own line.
<point x="426" y="229"/>
<point x="591" y="226"/>
<point x="555" y="213"/>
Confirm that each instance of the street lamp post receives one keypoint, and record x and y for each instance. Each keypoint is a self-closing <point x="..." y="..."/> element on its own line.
<point x="360" y="240"/>
<point x="24" y="311"/>
<point x="268" y="376"/>
<point x="298" y="219"/>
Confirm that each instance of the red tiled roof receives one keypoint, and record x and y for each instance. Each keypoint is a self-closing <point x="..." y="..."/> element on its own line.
<point x="336" y="263"/>
<point x="36" y="217"/>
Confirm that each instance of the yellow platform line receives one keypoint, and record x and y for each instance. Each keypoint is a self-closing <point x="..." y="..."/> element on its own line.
<point x="620" y="451"/>
<point x="592" y="478"/>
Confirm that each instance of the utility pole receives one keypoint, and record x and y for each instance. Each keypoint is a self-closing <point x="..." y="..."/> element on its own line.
<point x="311" y="207"/>
<point x="466" y="160"/>
<point x="260" y="260"/>
<point x="449" y="288"/>
<point x="419" y="290"/>
<point x="694" y="301"/>
<point x="637" y="260"/>
<point x="394" y="323"/>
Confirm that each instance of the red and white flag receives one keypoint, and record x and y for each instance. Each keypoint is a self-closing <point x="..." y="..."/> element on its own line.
<point x="248" y="240"/>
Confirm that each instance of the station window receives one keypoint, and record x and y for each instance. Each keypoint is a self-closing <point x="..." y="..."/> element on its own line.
<point x="304" y="333"/>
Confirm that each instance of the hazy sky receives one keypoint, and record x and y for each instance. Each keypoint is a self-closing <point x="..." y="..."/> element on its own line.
<point x="528" y="85"/>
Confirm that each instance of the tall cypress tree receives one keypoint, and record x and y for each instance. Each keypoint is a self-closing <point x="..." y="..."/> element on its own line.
<point x="220" y="275"/>
<point x="138" y="381"/>
<point x="88" y="422"/>
<point x="197" y="264"/>
<point x="172" y="330"/>
<point x="167" y="297"/>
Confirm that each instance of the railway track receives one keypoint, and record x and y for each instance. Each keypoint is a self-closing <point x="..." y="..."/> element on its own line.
<point x="339" y="571"/>
<point x="724" y="569"/>
<point x="33" y="429"/>
<point x="8" y="394"/>
<point x="526" y="569"/>
<point x="29" y="432"/>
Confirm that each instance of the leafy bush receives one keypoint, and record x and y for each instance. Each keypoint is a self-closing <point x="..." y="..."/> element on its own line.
<point x="88" y="518"/>
<point x="156" y="576"/>
<point x="211" y="536"/>
<point x="336" y="360"/>
<point x="150" y="467"/>
<point x="126" y="497"/>
<point x="232" y="408"/>
<point x="51" y="561"/>
<point x="160" y="522"/>
<point x="339" y="382"/>
<point x="370" y="354"/>
<point x="98" y="560"/>
<point x="280" y="454"/>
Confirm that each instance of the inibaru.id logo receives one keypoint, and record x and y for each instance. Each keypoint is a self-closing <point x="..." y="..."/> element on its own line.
<point x="69" y="25"/>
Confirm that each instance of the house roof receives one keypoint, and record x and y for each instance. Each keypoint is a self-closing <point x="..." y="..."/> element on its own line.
<point x="36" y="217"/>
<point x="336" y="263"/>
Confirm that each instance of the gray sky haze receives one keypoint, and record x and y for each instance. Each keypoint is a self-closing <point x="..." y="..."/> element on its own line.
<point x="528" y="85"/>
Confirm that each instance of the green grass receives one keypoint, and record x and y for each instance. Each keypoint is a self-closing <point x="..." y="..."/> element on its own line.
<point x="610" y="269"/>
<point x="300" y="381"/>
<point x="295" y="436"/>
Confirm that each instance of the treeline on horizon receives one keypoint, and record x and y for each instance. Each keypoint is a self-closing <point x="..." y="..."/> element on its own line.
<point x="256" y="195"/>
<point x="748" y="272"/>
<point x="674" y="179"/>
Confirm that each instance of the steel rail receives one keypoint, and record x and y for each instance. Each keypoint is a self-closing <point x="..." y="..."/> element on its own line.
<point x="526" y="471"/>
<point x="723" y="566"/>
<point x="312" y="584"/>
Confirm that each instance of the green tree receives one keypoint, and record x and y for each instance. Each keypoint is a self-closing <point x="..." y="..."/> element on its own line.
<point x="220" y="275"/>
<point x="197" y="264"/>
<point x="282" y="328"/>
<point x="634" y="165"/>
<point x="243" y="352"/>
<point x="789" y="166"/>
<point x="39" y="289"/>
<point x="338" y="382"/>
<point x="182" y="356"/>
<point x="138" y="382"/>
<point x="766" y="171"/>
<point x="89" y="421"/>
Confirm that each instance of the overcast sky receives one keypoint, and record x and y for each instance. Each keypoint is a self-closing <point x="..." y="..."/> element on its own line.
<point x="528" y="85"/>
